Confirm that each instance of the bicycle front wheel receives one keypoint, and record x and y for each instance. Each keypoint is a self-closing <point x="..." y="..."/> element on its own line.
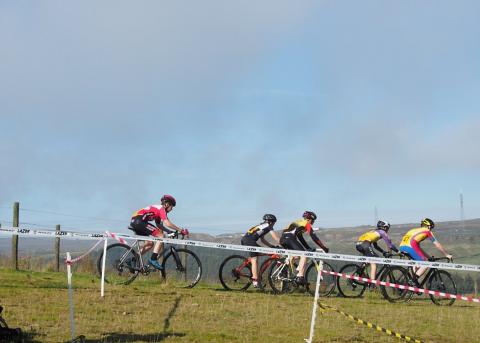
<point x="442" y="281"/>
<point x="395" y="275"/>
<point x="351" y="288"/>
<point x="327" y="284"/>
<point x="235" y="273"/>
<point x="182" y="269"/>
<point x="122" y="264"/>
<point x="281" y="278"/>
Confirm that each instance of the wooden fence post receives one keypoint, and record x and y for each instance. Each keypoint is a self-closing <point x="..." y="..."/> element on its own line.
<point x="57" y="250"/>
<point x="16" y="211"/>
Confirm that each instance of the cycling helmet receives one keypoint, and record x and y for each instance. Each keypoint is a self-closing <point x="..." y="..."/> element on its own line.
<point x="428" y="222"/>
<point x="269" y="218"/>
<point x="383" y="225"/>
<point x="170" y="199"/>
<point x="309" y="215"/>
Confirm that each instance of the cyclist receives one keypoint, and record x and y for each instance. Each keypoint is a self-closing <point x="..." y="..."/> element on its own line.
<point x="141" y="224"/>
<point x="371" y="238"/>
<point x="292" y="238"/>
<point x="410" y="243"/>
<point x="253" y="235"/>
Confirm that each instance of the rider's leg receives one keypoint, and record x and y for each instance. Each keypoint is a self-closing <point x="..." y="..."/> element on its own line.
<point x="373" y="270"/>
<point x="148" y="245"/>
<point x="301" y="266"/>
<point x="254" y="261"/>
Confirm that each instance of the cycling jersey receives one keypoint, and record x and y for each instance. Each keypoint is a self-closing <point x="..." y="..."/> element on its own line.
<point x="373" y="236"/>
<point x="415" y="236"/>
<point x="150" y="213"/>
<point x="141" y="218"/>
<point x="297" y="228"/>
<point x="411" y="243"/>
<point x="258" y="231"/>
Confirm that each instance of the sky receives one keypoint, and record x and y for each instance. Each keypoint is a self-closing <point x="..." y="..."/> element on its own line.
<point x="239" y="109"/>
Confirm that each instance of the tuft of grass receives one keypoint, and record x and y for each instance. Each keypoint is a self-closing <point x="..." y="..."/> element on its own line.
<point x="150" y="311"/>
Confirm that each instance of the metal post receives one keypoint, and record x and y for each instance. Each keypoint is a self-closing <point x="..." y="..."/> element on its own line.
<point x="315" y="302"/>
<point x="57" y="250"/>
<point x="70" y="296"/>
<point x="16" y="215"/>
<point x="102" y="287"/>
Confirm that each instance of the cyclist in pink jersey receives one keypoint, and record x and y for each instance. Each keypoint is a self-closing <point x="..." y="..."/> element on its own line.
<point x="141" y="224"/>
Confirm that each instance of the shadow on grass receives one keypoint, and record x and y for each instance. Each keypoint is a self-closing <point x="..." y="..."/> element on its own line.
<point x="151" y="337"/>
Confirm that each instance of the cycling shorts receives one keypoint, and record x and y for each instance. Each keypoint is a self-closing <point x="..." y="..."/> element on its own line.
<point x="143" y="228"/>
<point x="414" y="252"/>
<point x="251" y="242"/>
<point x="365" y="248"/>
<point x="288" y="241"/>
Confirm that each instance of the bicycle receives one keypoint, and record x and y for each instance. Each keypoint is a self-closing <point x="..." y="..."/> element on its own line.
<point x="235" y="272"/>
<point x="435" y="280"/>
<point x="351" y="288"/>
<point x="180" y="267"/>
<point x="282" y="277"/>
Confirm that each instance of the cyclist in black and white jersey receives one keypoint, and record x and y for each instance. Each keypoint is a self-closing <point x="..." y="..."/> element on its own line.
<point x="253" y="235"/>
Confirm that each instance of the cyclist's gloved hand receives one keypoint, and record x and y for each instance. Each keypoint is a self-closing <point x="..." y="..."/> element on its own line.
<point x="431" y="258"/>
<point x="450" y="257"/>
<point x="184" y="232"/>
<point x="326" y="249"/>
<point x="386" y="254"/>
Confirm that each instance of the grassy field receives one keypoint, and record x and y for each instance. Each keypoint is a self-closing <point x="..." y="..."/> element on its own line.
<point x="148" y="311"/>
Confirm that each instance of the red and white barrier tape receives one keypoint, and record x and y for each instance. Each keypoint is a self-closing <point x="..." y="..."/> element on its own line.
<point x="114" y="236"/>
<point x="406" y="287"/>
<point x="76" y="259"/>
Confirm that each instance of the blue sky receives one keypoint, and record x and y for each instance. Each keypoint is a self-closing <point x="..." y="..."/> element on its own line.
<point x="239" y="109"/>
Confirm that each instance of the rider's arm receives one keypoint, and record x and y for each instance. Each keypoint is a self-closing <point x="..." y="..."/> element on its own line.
<point x="169" y="225"/>
<point x="275" y="237"/>
<point x="264" y="241"/>
<point x="318" y="241"/>
<point x="303" y="242"/>
<point x="440" y="247"/>
<point x="387" y="240"/>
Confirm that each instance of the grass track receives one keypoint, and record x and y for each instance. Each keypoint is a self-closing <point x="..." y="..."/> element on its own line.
<point x="148" y="311"/>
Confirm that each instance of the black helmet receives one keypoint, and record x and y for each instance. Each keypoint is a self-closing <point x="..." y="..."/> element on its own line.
<point x="309" y="215"/>
<point x="428" y="223"/>
<point x="383" y="225"/>
<point x="269" y="218"/>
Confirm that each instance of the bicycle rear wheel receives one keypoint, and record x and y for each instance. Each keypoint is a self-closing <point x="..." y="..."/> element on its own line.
<point x="182" y="270"/>
<point x="122" y="264"/>
<point x="442" y="281"/>
<point x="281" y="277"/>
<point x="327" y="284"/>
<point x="395" y="275"/>
<point x="263" y="272"/>
<point x="235" y="273"/>
<point x="350" y="288"/>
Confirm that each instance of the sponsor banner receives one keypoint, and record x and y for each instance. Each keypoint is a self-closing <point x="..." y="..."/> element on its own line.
<point x="320" y="255"/>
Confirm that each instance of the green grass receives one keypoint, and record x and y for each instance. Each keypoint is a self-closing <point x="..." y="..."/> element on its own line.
<point x="148" y="311"/>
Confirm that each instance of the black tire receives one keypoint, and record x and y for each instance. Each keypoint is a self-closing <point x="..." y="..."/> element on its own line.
<point x="263" y="273"/>
<point x="281" y="277"/>
<point x="235" y="273"/>
<point x="184" y="275"/>
<point x="350" y="288"/>
<point x="327" y="284"/>
<point x="396" y="275"/>
<point x="442" y="281"/>
<point x="121" y="266"/>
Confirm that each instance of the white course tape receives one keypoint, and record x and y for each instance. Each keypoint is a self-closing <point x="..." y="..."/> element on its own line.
<point x="320" y="255"/>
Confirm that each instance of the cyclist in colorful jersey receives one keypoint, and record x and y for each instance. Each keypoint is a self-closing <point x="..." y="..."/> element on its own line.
<point x="368" y="241"/>
<point x="410" y="243"/>
<point x="253" y="235"/>
<point x="292" y="238"/>
<point x="141" y="224"/>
